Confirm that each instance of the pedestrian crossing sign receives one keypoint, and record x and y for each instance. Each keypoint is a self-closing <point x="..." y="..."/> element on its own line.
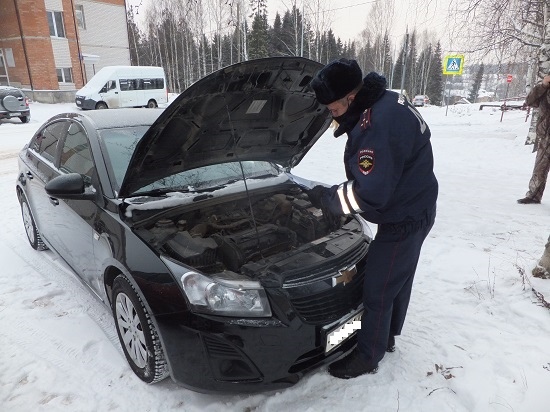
<point x="453" y="64"/>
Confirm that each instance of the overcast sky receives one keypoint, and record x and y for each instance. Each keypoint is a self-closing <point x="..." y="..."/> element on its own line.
<point x="349" y="16"/>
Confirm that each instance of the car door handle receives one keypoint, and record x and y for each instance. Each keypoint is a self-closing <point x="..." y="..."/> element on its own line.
<point x="29" y="175"/>
<point x="54" y="201"/>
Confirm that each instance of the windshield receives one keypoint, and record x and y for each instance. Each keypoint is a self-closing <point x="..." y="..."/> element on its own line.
<point x="119" y="145"/>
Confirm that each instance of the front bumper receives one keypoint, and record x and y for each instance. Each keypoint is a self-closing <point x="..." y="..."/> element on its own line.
<point x="221" y="354"/>
<point x="246" y="355"/>
<point x="83" y="103"/>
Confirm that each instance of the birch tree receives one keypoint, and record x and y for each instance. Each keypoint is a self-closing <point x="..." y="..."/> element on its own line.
<point x="513" y="28"/>
<point x="320" y="19"/>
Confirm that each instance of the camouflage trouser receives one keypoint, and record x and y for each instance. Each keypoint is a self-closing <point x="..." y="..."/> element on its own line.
<point x="540" y="170"/>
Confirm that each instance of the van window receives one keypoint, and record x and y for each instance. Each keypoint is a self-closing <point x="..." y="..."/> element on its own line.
<point x="141" y="84"/>
<point x="110" y="85"/>
<point x="151" y="84"/>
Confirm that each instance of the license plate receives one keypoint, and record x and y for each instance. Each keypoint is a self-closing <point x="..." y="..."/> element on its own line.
<point x="342" y="332"/>
<point x="15" y="114"/>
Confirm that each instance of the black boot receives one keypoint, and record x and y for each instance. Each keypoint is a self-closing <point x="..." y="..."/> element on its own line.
<point x="391" y="344"/>
<point x="528" y="200"/>
<point x="351" y="366"/>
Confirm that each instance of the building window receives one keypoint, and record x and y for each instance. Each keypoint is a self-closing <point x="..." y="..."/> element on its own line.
<point x="55" y="21"/>
<point x="9" y="57"/>
<point x="79" y="13"/>
<point x="65" y="75"/>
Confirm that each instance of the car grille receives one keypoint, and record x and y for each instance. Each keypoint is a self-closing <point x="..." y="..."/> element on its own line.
<point x="317" y="301"/>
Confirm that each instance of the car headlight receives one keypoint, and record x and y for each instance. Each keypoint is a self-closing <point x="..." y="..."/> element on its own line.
<point x="227" y="297"/>
<point x="225" y="294"/>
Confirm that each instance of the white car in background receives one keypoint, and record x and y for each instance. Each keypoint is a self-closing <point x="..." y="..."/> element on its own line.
<point x="420" y="100"/>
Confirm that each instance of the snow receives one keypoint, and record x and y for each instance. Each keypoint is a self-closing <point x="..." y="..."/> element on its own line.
<point x="476" y="337"/>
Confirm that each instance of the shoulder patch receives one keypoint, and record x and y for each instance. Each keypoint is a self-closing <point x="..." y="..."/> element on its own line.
<point x="366" y="161"/>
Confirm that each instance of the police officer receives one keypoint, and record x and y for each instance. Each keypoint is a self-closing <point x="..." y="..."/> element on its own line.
<point x="389" y="166"/>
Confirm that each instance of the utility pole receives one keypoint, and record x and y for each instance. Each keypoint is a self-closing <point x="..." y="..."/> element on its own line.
<point x="405" y="58"/>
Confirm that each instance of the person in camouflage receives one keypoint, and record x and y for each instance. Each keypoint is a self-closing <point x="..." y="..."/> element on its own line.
<point x="539" y="97"/>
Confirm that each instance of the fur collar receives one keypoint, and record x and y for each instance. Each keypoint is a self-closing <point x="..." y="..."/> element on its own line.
<point x="374" y="86"/>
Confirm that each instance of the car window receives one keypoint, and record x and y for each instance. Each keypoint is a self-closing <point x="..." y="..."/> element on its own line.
<point x="120" y="144"/>
<point x="215" y="175"/>
<point x="110" y="85"/>
<point x="45" y="142"/>
<point x="76" y="156"/>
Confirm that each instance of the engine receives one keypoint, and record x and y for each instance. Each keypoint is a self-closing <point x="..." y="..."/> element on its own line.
<point x="232" y="235"/>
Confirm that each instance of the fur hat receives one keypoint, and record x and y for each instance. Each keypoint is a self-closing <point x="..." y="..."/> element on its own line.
<point x="336" y="80"/>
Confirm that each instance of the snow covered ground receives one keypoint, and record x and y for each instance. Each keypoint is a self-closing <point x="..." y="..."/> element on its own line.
<point x="476" y="339"/>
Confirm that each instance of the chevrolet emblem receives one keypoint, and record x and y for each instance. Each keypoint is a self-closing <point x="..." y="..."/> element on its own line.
<point x="345" y="275"/>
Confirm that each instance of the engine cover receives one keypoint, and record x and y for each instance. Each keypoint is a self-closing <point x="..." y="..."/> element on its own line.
<point x="253" y="244"/>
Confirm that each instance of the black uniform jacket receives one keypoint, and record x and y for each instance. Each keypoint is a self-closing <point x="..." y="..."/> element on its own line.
<point x="389" y="165"/>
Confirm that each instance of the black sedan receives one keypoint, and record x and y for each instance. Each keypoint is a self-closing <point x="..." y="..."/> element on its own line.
<point x="188" y="223"/>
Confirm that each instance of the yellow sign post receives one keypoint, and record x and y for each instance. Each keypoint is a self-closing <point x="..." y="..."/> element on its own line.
<point x="452" y="64"/>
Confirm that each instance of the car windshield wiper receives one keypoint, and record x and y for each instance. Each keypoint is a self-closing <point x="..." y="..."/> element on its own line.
<point x="161" y="192"/>
<point x="263" y="176"/>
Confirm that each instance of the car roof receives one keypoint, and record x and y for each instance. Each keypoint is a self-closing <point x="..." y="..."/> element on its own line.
<point x="118" y="118"/>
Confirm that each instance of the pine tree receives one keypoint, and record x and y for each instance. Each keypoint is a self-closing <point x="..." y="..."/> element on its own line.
<point x="477" y="84"/>
<point x="276" y="46"/>
<point x="434" y="86"/>
<point x="258" y="37"/>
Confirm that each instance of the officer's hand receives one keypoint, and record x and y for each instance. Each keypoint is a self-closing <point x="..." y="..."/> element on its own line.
<point x="315" y="195"/>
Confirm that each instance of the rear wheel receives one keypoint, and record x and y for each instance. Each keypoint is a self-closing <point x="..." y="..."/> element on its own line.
<point x="25" y="119"/>
<point x="137" y="334"/>
<point x="30" y="226"/>
<point x="101" y="106"/>
<point x="152" y="104"/>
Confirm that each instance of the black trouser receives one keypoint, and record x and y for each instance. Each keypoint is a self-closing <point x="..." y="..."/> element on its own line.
<point x="390" y="267"/>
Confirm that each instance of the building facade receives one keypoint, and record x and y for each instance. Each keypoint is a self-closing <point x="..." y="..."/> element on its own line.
<point x="51" y="48"/>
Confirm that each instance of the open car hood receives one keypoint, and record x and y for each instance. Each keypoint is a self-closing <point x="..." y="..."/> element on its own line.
<point x="255" y="110"/>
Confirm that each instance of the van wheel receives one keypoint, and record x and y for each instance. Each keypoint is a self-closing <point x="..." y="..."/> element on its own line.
<point x="152" y="104"/>
<point x="101" y="105"/>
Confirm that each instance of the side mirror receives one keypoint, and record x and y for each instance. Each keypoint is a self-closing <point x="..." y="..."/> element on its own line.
<point x="69" y="186"/>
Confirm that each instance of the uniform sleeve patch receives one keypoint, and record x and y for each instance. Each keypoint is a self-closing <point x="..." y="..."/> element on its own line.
<point x="366" y="161"/>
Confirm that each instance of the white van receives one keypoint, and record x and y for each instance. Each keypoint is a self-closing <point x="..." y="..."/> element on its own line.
<point x="124" y="86"/>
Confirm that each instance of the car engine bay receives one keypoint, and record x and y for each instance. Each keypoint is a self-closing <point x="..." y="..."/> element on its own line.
<point x="248" y="237"/>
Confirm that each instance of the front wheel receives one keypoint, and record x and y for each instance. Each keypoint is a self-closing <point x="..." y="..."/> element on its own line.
<point x="137" y="334"/>
<point x="30" y="226"/>
<point x="151" y="104"/>
<point x="101" y="106"/>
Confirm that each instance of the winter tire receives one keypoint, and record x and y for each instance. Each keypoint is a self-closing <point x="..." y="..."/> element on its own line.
<point x="25" y="119"/>
<point x="101" y="106"/>
<point x="30" y="226"/>
<point x="151" y="104"/>
<point x="137" y="334"/>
